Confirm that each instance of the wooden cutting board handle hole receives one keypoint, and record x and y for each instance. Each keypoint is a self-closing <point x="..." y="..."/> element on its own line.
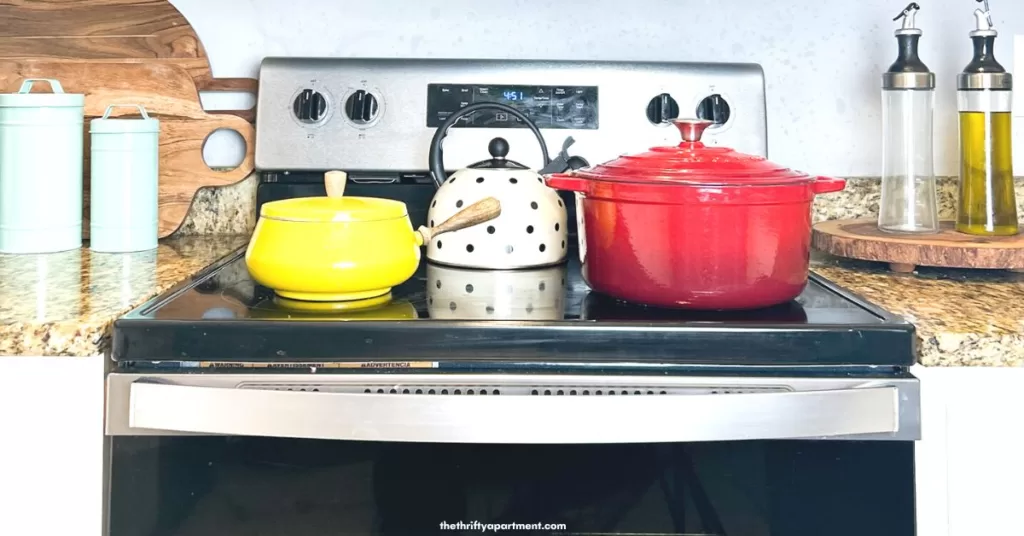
<point x="224" y="149"/>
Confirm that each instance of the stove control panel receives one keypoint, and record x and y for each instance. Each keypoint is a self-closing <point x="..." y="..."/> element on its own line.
<point x="376" y="117"/>
<point x="573" y="107"/>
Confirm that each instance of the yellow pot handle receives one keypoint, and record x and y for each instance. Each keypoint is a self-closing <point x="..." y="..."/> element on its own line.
<point x="335" y="183"/>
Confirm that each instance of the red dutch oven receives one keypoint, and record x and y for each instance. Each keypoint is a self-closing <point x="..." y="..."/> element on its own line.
<point x="695" y="227"/>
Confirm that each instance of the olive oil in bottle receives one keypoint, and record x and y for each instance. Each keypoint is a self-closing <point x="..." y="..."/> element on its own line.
<point x="987" y="203"/>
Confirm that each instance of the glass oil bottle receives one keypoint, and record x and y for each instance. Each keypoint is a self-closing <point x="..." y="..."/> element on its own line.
<point x="987" y="204"/>
<point x="909" y="201"/>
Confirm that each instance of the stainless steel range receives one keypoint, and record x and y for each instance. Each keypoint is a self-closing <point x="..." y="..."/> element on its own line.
<point x="444" y="413"/>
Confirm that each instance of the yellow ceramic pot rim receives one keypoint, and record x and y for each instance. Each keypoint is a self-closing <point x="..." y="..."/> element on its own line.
<point x="334" y="209"/>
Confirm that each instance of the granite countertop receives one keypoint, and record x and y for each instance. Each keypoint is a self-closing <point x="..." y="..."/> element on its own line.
<point x="63" y="304"/>
<point x="963" y="317"/>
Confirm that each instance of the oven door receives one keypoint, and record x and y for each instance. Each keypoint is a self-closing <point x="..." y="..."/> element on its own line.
<point x="354" y="454"/>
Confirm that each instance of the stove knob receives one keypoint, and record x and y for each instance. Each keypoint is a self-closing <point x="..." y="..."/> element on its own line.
<point x="310" y="106"/>
<point x="714" y="108"/>
<point x="361" y="107"/>
<point x="662" y="109"/>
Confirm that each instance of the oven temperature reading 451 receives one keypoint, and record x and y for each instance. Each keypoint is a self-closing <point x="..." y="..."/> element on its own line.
<point x="513" y="95"/>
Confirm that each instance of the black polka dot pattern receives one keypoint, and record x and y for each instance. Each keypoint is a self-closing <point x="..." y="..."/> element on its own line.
<point x="543" y="235"/>
<point x="469" y="289"/>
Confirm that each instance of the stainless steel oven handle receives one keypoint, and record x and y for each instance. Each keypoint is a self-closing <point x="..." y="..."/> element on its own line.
<point x="513" y="419"/>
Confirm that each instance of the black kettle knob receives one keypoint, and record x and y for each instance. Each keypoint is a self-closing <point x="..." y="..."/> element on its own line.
<point x="498" y="148"/>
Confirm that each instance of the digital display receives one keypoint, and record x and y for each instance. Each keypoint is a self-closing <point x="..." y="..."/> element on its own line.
<point x="569" y="107"/>
<point x="512" y="95"/>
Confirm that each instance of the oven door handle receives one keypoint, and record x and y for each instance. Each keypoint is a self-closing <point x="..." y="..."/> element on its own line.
<point x="834" y="414"/>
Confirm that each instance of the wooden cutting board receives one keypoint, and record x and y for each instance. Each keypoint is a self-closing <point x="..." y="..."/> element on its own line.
<point x="861" y="239"/>
<point x="117" y="30"/>
<point x="168" y="93"/>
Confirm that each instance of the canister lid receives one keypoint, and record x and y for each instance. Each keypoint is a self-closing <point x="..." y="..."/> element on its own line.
<point x="24" y="98"/>
<point x="334" y="209"/>
<point x="120" y="125"/>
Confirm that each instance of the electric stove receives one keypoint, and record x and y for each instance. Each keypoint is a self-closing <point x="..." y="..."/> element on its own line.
<point x="501" y="400"/>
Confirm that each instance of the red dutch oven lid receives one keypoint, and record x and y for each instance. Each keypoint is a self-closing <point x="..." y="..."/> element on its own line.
<point x="691" y="164"/>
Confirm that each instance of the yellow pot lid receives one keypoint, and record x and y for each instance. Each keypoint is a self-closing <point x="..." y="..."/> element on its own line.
<point x="334" y="209"/>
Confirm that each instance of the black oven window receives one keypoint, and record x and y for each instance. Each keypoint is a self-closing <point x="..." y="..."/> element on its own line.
<point x="181" y="486"/>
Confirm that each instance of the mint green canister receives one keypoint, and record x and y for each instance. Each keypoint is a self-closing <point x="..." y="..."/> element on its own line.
<point x="124" y="182"/>
<point x="41" y="138"/>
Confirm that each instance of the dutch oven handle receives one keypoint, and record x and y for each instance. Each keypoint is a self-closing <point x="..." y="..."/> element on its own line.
<point x="437" y="154"/>
<point x="826" y="185"/>
<point x="566" y="181"/>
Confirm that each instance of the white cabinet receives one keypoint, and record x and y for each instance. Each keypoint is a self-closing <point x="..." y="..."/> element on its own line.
<point x="970" y="462"/>
<point x="51" y="451"/>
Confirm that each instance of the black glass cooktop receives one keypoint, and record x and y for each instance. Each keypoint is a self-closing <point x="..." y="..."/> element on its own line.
<point x="542" y="315"/>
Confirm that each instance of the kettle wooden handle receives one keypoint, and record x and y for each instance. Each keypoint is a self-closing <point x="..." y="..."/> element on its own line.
<point x="335" y="183"/>
<point x="484" y="210"/>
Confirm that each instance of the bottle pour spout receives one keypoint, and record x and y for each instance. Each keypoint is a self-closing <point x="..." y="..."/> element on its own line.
<point x="908" y="15"/>
<point x="983" y="26"/>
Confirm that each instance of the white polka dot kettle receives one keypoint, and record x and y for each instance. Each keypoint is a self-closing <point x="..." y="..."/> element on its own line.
<point x="531" y="230"/>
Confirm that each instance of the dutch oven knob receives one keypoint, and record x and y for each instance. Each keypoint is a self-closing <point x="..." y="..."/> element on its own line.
<point x="692" y="129"/>
<point x="498" y="147"/>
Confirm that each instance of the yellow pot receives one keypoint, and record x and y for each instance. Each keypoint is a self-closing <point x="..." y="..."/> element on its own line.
<point x="339" y="248"/>
<point x="303" y="253"/>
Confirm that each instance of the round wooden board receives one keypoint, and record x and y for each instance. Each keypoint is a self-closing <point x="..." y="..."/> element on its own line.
<point x="861" y="239"/>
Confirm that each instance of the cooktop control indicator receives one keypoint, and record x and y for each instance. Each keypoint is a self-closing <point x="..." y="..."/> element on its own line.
<point x="573" y="107"/>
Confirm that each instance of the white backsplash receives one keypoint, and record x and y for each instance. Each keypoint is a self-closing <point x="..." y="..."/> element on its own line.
<point x="1018" y="106"/>
<point x="822" y="60"/>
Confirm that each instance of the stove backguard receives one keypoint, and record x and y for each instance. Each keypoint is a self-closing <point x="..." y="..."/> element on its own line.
<point x="372" y="117"/>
